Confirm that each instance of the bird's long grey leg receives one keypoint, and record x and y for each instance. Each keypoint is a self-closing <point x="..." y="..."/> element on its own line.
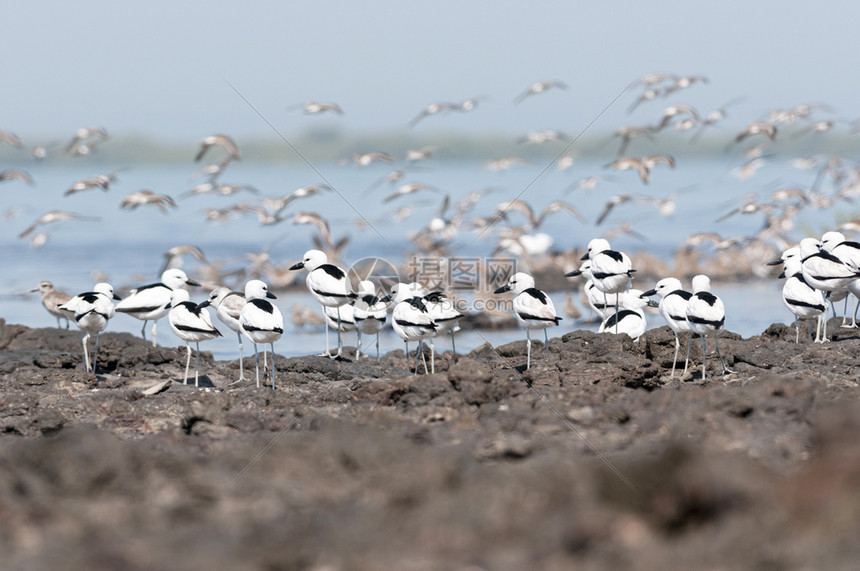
<point x="675" y="360"/>
<point x="528" y="349"/>
<point x="241" y="358"/>
<point x="546" y="342"/>
<point x="84" y="338"/>
<point x="187" y="363"/>
<point x="257" y="364"/>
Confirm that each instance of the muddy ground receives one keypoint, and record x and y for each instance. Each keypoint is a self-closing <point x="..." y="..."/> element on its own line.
<point x="599" y="460"/>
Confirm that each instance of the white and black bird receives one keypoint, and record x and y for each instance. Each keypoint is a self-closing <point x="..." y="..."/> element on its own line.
<point x="446" y="316"/>
<point x="706" y="314"/>
<point x="601" y="304"/>
<point x="533" y="308"/>
<point x="849" y="252"/>
<point x="340" y="318"/>
<point x="611" y="270"/>
<point x="152" y="302"/>
<point x="673" y="308"/>
<point x="801" y="299"/>
<point x="93" y="310"/>
<point x="630" y="318"/>
<point x="261" y="322"/>
<point x="191" y="323"/>
<point x="411" y="319"/>
<point x="370" y="314"/>
<point x="329" y="286"/>
<point x="52" y="299"/>
<point x="824" y="271"/>
<point x="228" y="306"/>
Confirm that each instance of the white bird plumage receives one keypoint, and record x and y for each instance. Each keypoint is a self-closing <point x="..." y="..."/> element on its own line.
<point x="228" y="307"/>
<point x="411" y="318"/>
<point x="261" y="322"/>
<point x="329" y="285"/>
<point x="191" y="323"/>
<point x="152" y="302"/>
<point x="93" y="310"/>
<point x="533" y="308"/>
<point x="706" y="314"/>
<point x="673" y="307"/>
<point x="370" y="314"/>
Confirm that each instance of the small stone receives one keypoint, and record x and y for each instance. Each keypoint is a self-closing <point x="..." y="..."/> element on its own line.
<point x="157" y="388"/>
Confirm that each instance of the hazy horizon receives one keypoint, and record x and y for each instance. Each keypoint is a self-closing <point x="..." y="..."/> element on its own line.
<point x="161" y="70"/>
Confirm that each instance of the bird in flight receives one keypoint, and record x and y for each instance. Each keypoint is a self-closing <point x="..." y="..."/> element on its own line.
<point x="318" y="107"/>
<point x="539" y="87"/>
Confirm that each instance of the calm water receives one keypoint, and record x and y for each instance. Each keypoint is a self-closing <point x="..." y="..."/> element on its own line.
<point x="127" y="246"/>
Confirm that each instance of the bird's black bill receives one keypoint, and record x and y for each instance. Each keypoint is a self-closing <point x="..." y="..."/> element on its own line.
<point x="648" y="293"/>
<point x="572" y="274"/>
<point x="775" y="262"/>
<point x="503" y="289"/>
<point x="270" y="295"/>
<point x="192" y="283"/>
<point x="584" y="256"/>
<point x="298" y="266"/>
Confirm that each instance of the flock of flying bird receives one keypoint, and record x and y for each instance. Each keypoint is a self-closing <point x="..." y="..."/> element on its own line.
<point x="419" y="315"/>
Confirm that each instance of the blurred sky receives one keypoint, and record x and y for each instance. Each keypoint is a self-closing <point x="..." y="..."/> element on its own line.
<point x="159" y="68"/>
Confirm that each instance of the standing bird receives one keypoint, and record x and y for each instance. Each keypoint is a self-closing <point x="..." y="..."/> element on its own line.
<point x="261" y="322"/>
<point x="370" y="314"/>
<point x="228" y="307"/>
<point x="599" y="303"/>
<point x="446" y="317"/>
<point x="411" y="318"/>
<point x="93" y="310"/>
<point x="673" y="308"/>
<point x="534" y="309"/>
<point x="341" y="319"/>
<point x="191" y="322"/>
<point x="630" y="318"/>
<point x="706" y="314"/>
<point x="152" y="302"/>
<point x="52" y="299"/>
<point x="329" y="286"/>
<point x="849" y="252"/>
<point x="801" y="299"/>
<point x="825" y="272"/>
<point x="611" y="271"/>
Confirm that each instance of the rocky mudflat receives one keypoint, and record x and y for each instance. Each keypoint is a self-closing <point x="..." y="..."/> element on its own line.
<point x="598" y="460"/>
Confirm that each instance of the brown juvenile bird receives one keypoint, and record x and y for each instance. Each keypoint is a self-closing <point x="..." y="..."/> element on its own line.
<point x="316" y="107"/>
<point x="221" y="140"/>
<point x="53" y="216"/>
<point x="757" y="128"/>
<point x="13" y="174"/>
<point x="144" y="197"/>
<point x="52" y="299"/>
<point x="539" y="87"/>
